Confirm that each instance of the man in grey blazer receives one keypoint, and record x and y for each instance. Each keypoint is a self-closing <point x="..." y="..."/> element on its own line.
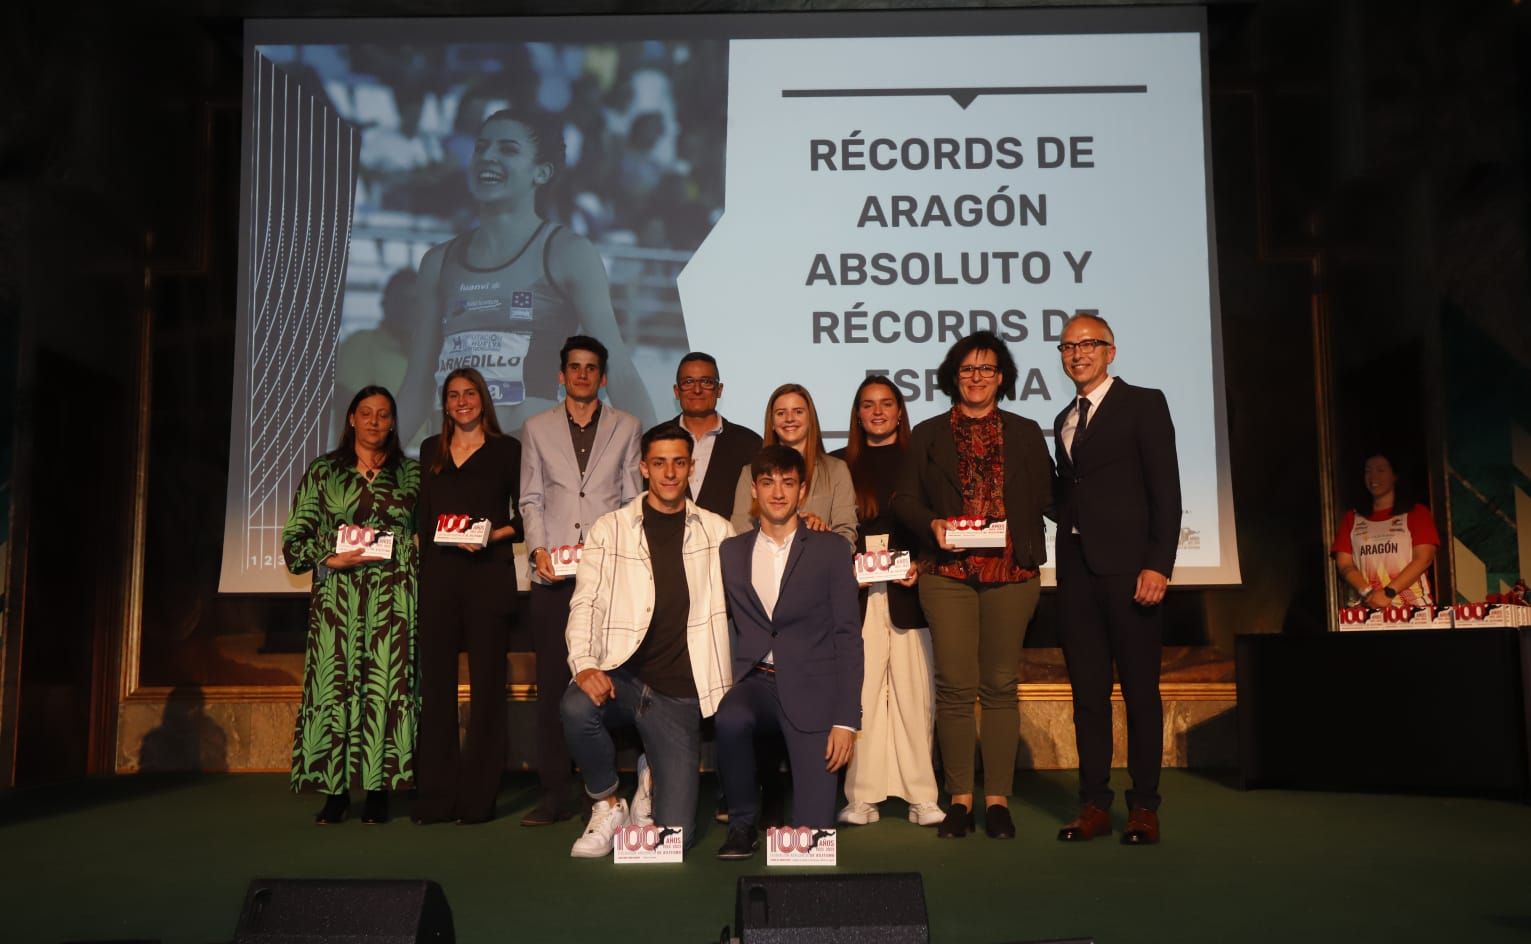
<point x="579" y="460"/>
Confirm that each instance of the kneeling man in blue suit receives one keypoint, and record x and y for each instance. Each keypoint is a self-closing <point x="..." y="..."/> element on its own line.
<point x="797" y="658"/>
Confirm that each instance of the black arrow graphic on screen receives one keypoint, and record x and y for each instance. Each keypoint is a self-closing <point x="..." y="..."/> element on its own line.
<point x="966" y="96"/>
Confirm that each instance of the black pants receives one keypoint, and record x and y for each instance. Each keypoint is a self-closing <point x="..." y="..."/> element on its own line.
<point x="464" y="605"/>
<point x="549" y="615"/>
<point x="1100" y="625"/>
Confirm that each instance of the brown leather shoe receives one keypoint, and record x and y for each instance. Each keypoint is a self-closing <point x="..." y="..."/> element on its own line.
<point x="1092" y="821"/>
<point x="1142" y="828"/>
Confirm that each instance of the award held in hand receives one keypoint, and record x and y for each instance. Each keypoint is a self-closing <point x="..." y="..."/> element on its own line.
<point x="882" y="566"/>
<point x="565" y="559"/>
<point x="374" y="545"/>
<point x="968" y="532"/>
<point x="462" y="531"/>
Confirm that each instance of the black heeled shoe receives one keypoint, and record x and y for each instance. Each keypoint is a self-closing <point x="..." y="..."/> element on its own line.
<point x="374" y="811"/>
<point x="334" y="809"/>
<point x="958" y="822"/>
<point x="997" y="822"/>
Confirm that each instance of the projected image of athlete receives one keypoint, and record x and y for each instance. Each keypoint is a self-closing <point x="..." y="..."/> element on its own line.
<point x="502" y="297"/>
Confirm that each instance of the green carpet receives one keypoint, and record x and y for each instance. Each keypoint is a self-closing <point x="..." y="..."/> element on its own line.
<point x="168" y="859"/>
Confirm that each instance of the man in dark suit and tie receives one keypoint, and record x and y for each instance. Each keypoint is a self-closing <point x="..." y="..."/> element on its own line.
<point x="797" y="656"/>
<point x="719" y="448"/>
<point x="1118" y="510"/>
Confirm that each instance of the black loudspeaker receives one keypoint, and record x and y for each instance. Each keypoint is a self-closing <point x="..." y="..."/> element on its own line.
<point x="1525" y="698"/>
<point x="344" y="911"/>
<point x="885" y="908"/>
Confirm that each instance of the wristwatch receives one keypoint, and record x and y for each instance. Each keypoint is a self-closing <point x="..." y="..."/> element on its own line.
<point x="1389" y="592"/>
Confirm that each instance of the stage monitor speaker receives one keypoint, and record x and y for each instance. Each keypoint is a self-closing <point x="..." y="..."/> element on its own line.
<point x="345" y="911"/>
<point x="875" y="908"/>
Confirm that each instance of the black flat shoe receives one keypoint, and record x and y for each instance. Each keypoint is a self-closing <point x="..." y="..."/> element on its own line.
<point x="334" y="809"/>
<point x="430" y="820"/>
<point x="547" y="812"/>
<point x="997" y="822"/>
<point x="958" y="822"/>
<point x="740" y="844"/>
<point x="475" y="820"/>
<point x="374" y="811"/>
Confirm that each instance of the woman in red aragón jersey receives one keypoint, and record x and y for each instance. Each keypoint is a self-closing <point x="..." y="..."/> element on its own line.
<point x="1385" y="555"/>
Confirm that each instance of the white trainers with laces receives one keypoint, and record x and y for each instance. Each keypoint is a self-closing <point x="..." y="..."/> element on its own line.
<point x="925" y="814"/>
<point x="859" y="814"/>
<point x="643" y="797"/>
<point x="606" y="817"/>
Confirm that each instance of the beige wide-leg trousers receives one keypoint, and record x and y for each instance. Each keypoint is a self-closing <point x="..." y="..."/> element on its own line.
<point x="892" y="756"/>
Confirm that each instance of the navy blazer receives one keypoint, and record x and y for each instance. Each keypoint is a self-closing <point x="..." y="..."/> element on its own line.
<point x="1121" y="484"/>
<point x="815" y="632"/>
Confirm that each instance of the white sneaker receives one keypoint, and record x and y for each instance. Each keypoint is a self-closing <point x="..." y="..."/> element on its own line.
<point x="606" y="817"/>
<point x="925" y="814"/>
<point x="859" y="814"/>
<point x="643" y="797"/>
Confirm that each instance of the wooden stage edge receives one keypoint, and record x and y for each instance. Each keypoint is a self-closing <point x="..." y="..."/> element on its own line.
<point x="249" y="729"/>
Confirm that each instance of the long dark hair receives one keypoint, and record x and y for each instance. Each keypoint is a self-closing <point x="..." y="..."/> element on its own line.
<point x="392" y="450"/>
<point x="856" y="447"/>
<point x="487" y="418"/>
<point x="1403" y="494"/>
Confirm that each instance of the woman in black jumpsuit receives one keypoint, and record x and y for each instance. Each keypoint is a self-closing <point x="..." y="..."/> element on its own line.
<point x="467" y="601"/>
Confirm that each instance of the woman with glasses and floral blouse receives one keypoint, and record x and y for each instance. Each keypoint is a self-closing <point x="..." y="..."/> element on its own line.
<point x="977" y="461"/>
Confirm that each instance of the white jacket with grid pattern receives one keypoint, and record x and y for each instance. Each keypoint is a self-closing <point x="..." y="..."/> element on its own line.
<point x="614" y="597"/>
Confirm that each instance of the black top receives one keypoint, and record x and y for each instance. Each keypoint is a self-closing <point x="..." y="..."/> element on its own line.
<point x="583" y="437"/>
<point x="663" y="659"/>
<point x="488" y="485"/>
<point x="882" y="464"/>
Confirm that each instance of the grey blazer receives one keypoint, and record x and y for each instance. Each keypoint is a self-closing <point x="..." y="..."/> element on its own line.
<point x="557" y="503"/>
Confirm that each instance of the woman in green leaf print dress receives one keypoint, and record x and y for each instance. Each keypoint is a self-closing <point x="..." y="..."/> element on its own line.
<point x="356" y="725"/>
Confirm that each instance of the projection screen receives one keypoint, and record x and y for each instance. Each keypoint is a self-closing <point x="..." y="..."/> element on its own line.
<point x="808" y="198"/>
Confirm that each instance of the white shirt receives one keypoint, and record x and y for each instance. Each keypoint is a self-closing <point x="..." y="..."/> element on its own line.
<point x="701" y="451"/>
<point x="767" y="565"/>
<point x="1071" y="422"/>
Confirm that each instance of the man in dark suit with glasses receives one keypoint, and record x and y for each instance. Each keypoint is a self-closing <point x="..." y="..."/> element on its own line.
<point x="1117" y="503"/>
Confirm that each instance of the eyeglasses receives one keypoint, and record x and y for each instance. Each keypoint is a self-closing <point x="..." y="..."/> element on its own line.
<point x="1087" y="346"/>
<point x="984" y="371"/>
<point x="689" y="383"/>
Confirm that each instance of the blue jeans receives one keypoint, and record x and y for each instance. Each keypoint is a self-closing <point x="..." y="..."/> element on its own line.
<point x="671" y="729"/>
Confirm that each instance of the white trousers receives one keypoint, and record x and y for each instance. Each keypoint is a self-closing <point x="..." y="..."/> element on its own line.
<point x="893" y="748"/>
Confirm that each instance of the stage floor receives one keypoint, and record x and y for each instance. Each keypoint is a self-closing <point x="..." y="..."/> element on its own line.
<point x="168" y="858"/>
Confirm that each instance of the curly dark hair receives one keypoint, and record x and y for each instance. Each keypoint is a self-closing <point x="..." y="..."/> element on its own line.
<point x="946" y="374"/>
